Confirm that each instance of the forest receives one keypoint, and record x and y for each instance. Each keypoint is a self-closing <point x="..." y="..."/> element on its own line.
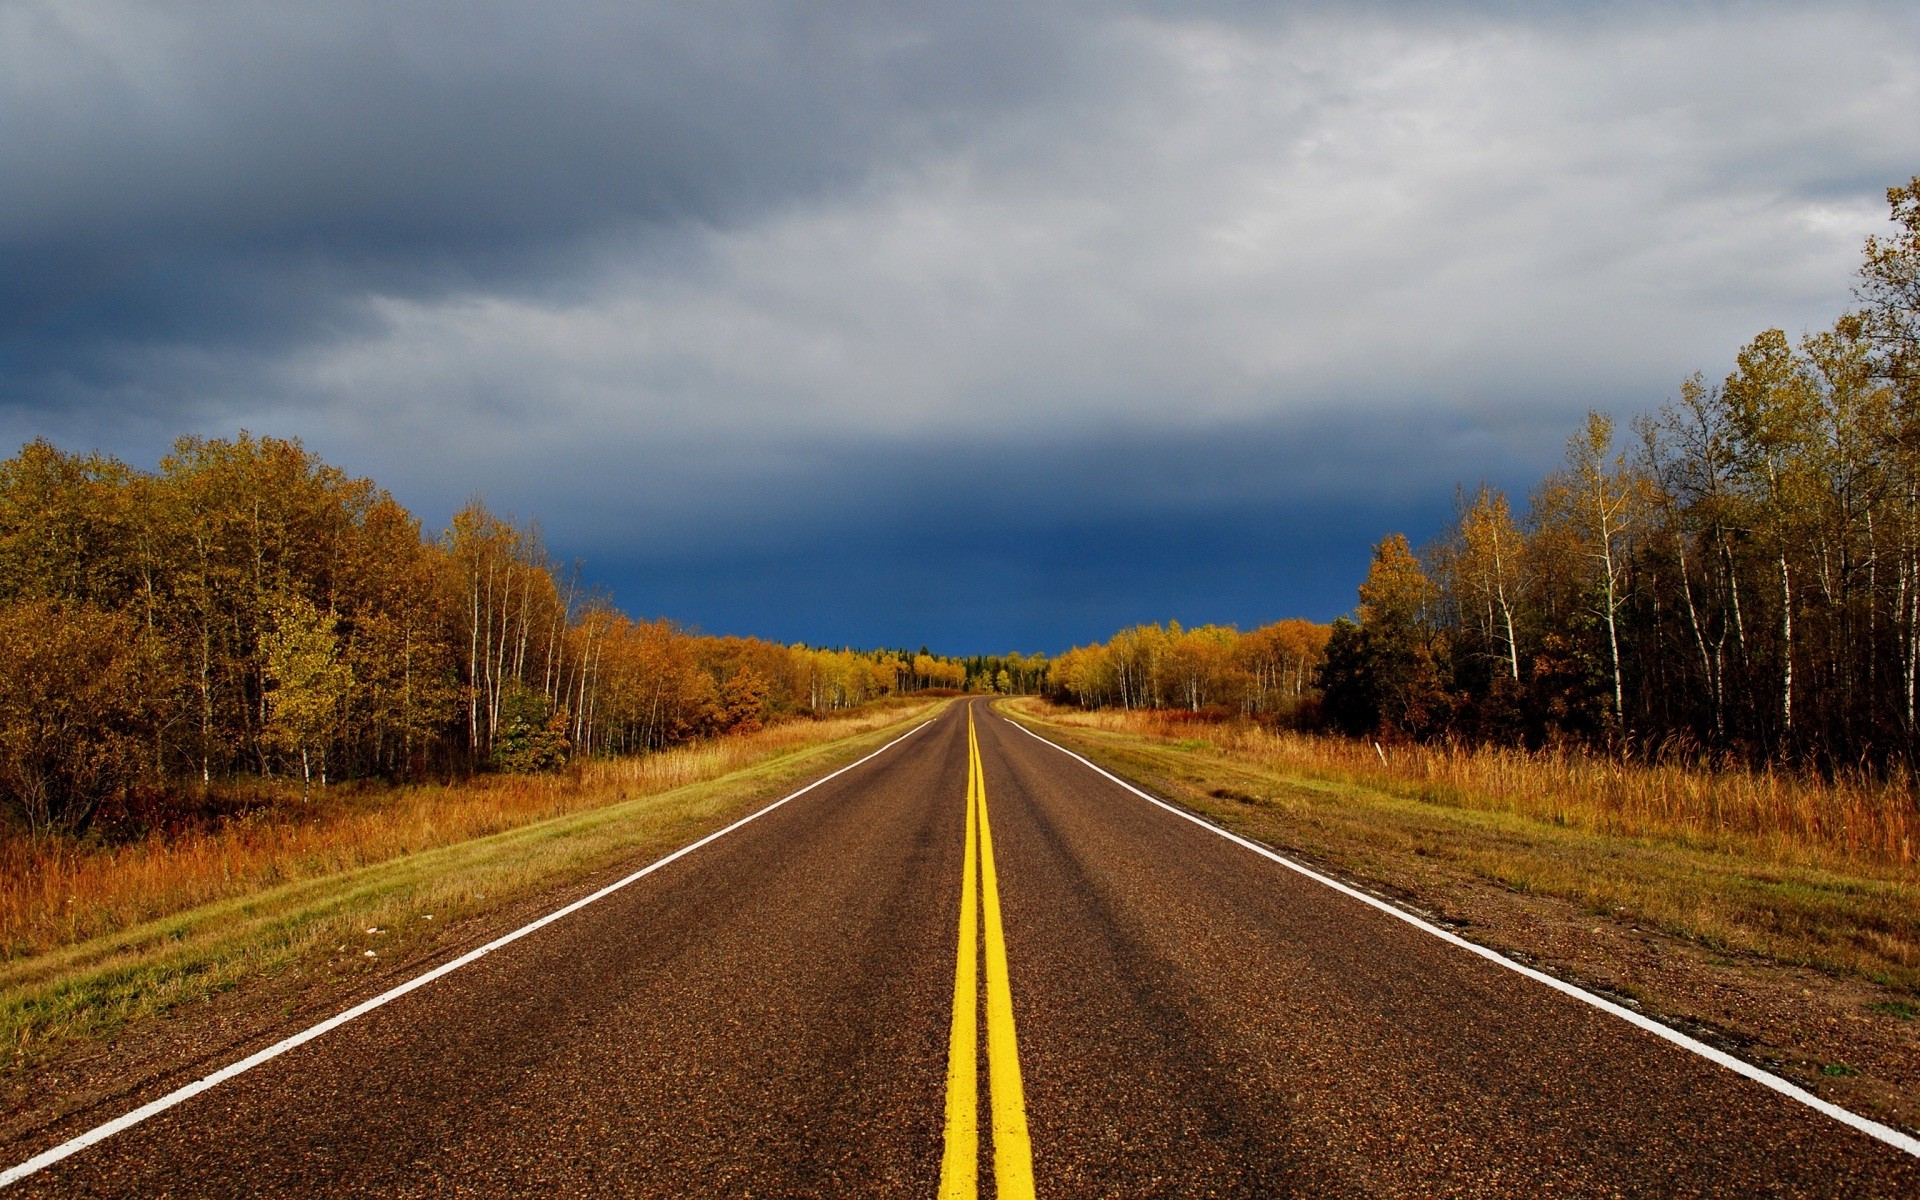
<point x="1736" y="575"/>
<point x="248" y="611"/>
<point x="1269" y="674"/>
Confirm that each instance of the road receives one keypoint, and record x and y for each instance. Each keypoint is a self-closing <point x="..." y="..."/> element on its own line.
<point x="774" y="1015"/>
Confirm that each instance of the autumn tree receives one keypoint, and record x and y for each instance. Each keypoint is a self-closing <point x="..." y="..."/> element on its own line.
<point x="1198" y="669"/>
<point x="1400" y="638"/>
<point x="70" y="529"/>
<point x="1487" y="563"/>
<point x="78" y="692"/>
<point x="1742" y="576"/>
<point x="1889" y="290"/>
<point x="1351" y="697"/>
<point x="1604" y="496"/>
<point x="531" y="735"/>
<point x="308" y="684"/>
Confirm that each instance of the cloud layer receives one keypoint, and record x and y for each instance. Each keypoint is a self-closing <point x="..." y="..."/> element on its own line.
<point x="744" y="300"/>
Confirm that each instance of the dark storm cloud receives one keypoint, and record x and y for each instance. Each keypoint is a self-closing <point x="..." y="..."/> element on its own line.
<point x="992" y="545"/>
<point x="967" y="587"/>
<point x="809" y="320"/>
<point x="237" y="179"/>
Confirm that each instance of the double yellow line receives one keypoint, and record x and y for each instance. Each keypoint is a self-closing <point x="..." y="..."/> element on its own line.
<point x="1012" y="1149"/>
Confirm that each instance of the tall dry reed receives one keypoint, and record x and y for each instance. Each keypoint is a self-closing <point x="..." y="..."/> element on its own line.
<point x="1785" y="815"/>
<point x="58" y="893"/>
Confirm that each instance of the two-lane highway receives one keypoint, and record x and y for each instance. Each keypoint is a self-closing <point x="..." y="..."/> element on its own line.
<point x="793" y="1009"/>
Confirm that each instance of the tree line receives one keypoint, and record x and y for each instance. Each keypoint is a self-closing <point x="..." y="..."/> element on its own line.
<point x="1269" y="673"/>
<point x="1017" y="674"/>
<point x="1737" y="573"/>
<point x="247" y="610"/>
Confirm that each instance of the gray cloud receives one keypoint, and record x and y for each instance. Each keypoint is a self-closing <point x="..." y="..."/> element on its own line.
<point x="706" y="280"/>
<point x="245" y="176"/>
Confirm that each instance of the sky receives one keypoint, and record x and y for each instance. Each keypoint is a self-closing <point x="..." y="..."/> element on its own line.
<point x="986" y="327"/>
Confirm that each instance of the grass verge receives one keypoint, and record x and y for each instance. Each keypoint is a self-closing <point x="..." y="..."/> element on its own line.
<point x="1799" y="952"/>
<point x="437" y="857"/>
<point x="1557" y="826"/>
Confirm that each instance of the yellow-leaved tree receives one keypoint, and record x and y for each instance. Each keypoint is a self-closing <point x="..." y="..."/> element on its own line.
<point x="308" y="683"/>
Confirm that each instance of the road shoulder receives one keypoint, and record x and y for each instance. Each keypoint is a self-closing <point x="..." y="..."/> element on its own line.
<point x="342" y="940"/>
<point x="1848" y="1039"/>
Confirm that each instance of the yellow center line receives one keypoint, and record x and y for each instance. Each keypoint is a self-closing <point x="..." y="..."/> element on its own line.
<point x="960" y="1164"/>
<point x="1012" y="1147"/>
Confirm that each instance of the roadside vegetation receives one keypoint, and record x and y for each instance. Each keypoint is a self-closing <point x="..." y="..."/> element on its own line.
<point x="1742" y="905"/>
<point x="1854" y="819"/>
<point x="98" y="937"/>
<point x="245" y="700"/>
<point x="1735" y="582"/>
<point x="249" y="613"/>
<point x="1737" y="579"/>
<point x="1677" y="692"/>
<point x="1793" y="868"/>
<point x="54" y="893"/>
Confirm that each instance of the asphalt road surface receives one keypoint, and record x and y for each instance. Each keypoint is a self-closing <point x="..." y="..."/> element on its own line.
<point x="774" y="1015"/>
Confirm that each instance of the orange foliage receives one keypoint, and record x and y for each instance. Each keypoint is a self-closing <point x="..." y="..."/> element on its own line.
<point x="1268" y="672"/>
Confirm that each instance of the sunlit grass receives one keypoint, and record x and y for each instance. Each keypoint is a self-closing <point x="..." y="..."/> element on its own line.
<point x="1794" y="869"/>
<point x="228" y="908"/>
<point x="1779" y="815"/>
<point x="57" y="893"/>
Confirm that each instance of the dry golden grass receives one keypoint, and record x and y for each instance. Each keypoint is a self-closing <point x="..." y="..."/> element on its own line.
<point x="1795" y="870"/>
<point x="1780" y="816"/>
<point x="358" y="883"/>
<point x="57" y="894"/>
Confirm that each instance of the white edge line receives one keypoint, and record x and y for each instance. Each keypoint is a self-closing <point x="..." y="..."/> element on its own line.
<point x="1873" y="1129"/>
<point x="40" y="1162"/>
